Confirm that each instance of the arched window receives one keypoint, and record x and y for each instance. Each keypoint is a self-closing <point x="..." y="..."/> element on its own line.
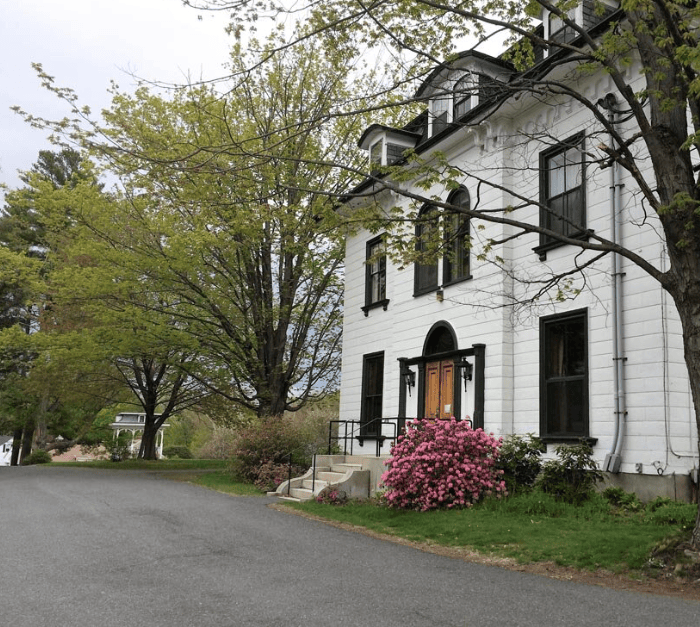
<point x="456" y="265"/>
<point x="441" y="339"/>
<point x="426" y="272"/>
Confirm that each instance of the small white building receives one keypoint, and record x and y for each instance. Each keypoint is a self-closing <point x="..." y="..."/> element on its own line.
<point x="134" y="424"/>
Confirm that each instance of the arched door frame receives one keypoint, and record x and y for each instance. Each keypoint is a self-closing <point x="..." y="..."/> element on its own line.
<point x="477" y="352"/>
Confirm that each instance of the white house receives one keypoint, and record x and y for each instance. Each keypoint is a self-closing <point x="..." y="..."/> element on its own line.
<point x="5" y="450"/>
<point x="597" y="355"/>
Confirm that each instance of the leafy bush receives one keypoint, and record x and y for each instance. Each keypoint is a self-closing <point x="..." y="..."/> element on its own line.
<point x="442" y="463"/>
<point x="37" y="457"/>
<point x="182" y="452"/>
<point x="626" y="501"/>
<point x="268" y="475"/>
<point x="332" y="497"/>
<point x="520" y="461"/>
<point x="220" y="444"/>
<point x="664" y="511"/>
<point x="118" y="448"/>
<point x="262" y="449"/>
<point x="571" y="477"/>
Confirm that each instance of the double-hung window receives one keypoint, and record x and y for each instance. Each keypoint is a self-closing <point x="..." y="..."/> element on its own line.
<point x="455" y="265"/>
<point x="426" y="269"/>
<point x="559" y="31"/>
<point x="463" y="93"/>
<point x="375" y="275"/>
<point x="564" y="376"/>
<point x="562" y="191"/>
<point x="376" y="153"/>
<point x="439" y="110"/>
<point x="372" y="394"/>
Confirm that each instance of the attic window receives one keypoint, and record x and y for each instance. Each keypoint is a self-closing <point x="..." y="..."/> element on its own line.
<point x="394" y="152"/>
<point x="376" y="152"/>
<point x="561" y="32"/>
<point x="439" y="110"/>
<point x="463" y="96"/>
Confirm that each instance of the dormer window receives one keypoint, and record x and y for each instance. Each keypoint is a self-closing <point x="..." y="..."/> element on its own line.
<point x="559" y="31"/>
<point x="376" y="153"/>
<point x="439" y="112"/>
<point x="464" y="96"/>
<point x="386" y="145"/>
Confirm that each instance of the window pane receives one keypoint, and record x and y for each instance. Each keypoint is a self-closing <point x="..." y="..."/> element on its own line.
<point x="426" y="274"/>
<point x="565" y="377"/>
<point x="574" y="158"/>
<point x="457" y="237"/>
<point x="565" y="408"/>
<point x="557" y="175"/>
<point x="376" y="273"/>
<point x="563" y="193"/>
<point x="463" y="96"/>
<point x="566" y="349"/>
<point x="372" y="391"/>
<point x="394" y="152"/>
<point x="375" y="153"/>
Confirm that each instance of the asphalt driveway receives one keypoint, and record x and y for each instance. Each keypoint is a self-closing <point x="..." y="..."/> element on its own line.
<point x="83" y="547"/>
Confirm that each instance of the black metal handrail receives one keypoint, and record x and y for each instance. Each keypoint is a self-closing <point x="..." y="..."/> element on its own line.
<point x="288" y="458"/>
<point x="350" y="430"/>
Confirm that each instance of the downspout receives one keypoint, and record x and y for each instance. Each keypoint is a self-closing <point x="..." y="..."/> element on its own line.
<point x="613" y="460"/>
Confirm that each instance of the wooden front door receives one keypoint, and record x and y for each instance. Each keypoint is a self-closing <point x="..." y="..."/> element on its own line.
<point x="439" y="389"/>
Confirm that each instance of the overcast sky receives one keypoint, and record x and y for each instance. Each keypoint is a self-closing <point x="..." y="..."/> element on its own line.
<point x="84" y="44"/>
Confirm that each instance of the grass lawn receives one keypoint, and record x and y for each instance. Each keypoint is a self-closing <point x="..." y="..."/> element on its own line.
<point x="531" y="528"/>
<point x="222" y="481"/>
<point x="209" y="473"/>
<point x="144" y="464"/>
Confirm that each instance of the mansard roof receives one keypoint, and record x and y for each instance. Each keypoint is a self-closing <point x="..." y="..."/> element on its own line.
<point x="467" y="59"/>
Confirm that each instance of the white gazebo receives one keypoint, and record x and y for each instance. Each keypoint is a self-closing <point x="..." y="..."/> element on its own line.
<point x="134" y="423"/>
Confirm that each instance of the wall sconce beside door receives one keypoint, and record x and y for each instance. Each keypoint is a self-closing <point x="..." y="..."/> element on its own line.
<point x="467" y="369"/>
<point x="409" y="378"/>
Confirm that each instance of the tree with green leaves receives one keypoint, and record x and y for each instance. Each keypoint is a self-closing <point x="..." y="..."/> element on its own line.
<point x="225" y="225"/>
<point x="19" y="282"/>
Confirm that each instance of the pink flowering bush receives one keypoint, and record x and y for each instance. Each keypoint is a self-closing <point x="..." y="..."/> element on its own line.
<point x="442" y="463"/>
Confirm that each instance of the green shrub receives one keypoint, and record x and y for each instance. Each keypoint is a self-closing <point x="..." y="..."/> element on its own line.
<point x="118" y="448"/>
<point x="572" y="476"/>
<point x="520" y="461"/>
<point x="262" y="449"/>
<point x="37" y="457"/>
<point x="268" y="475"/>
<point x="220" y="444"/>
<point x="181" y="452"/>
<point x="664" y="511"/>
<point x="626" y="501"/>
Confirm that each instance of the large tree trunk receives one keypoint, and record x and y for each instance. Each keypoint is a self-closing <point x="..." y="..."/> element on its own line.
<point x="27" y="441"/>
<point x="148" y="442"/>
<point x="688" y="306"/>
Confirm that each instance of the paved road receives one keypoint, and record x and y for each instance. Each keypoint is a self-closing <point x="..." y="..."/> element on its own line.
<point x="83" y="547"/>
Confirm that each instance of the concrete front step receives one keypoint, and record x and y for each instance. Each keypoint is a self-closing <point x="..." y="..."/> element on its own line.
<point x="301" y="494"/>
<point x="329" y="476"/>
<point x="345" y="467"/>
<point x="317" y="485"/>
<point x="348" y="476"/>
